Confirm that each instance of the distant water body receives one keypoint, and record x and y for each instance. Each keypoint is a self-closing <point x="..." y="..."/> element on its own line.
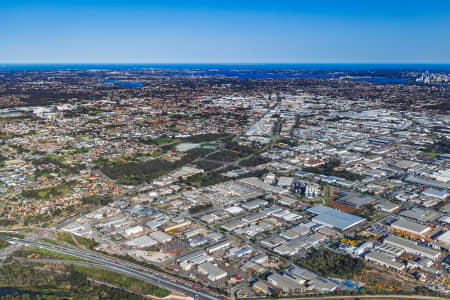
<point x="293" y="67"/>
<point x="256" y="74"/>
<point x="381" y="79"/>
<point x="377" y="73"/>
<point x="123" y="83"/>
<point x="9" y="291"/>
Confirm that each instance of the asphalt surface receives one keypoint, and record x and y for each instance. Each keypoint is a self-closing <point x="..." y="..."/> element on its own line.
<point x="372" y="297"/>
<point x="125" y="268"/>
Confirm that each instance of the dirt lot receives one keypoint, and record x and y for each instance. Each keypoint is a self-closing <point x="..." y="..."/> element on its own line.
<point x="379" y="279"/>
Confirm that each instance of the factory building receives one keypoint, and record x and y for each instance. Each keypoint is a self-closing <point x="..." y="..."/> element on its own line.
<point x="411" y="228"/>
<point x="213" y="272"/>
<point x="411" y="247"/>
<point x="334" y="218"/>
<point x="385" y="260"/>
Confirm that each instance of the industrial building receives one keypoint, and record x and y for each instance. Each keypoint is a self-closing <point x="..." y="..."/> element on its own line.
<point x="387" y="206"/>
<point x="354" y="200"/>
<point x="218" y="246"/>
<point x="384" y="259"/>
<point x="334" y="218"/>
<point x="390" y="249"/>
<point x="427" y="182"/>
<point x="302" y="273"/>
<point x="284" y="283"/>
<point x="441" y="195"/>
<point x="444" y="239"/>
<point x="256" y="183"/>
<point x="411" y="228"/>
<point x="254" y="204"/>
<point x="177" y="226"/>
<point x="197" y="257"/>
<point x="420" y="214"/>
<point x="411" y="247"/>
<point x="141" y="242"/>
<point x="133" y="230"/>
<point x="161" y="237"/>
<point x="261" y="287"/>
<point x="213" y="272"/>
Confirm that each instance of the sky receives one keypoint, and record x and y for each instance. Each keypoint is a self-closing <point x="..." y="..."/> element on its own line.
<point x="226" y="31"/>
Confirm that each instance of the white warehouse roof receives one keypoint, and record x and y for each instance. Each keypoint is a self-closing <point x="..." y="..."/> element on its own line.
<point x="334" y="218"/>
<point x="412" y="227"/>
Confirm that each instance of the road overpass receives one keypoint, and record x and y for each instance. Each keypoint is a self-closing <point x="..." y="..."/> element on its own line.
<point x="157" y="278"/>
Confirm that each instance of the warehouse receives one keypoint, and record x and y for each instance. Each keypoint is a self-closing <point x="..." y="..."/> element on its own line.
<point x="114" y="222"/>
<point x="322" y="285"/>
<point x="272" y="241"/>
<point x="197" y="241"/>
<point x="261" y="287"/>
<point x="213" y="272"/>
<point x="285" y="250"/>
<point x="197" y="256"/>
<point x="412" y="247"/>
<point x="254" y="204"/>
<point x="255" y="182"/>
<point x="417" y="213"/>
<point x="385" y="260"/>
<point x="441" y="195"/>
<point x="218" y="246"/>
<point x="390" y="249"/>
<point x="334" y="218"/>
<point x="161" y="237"/>
<point x="155" y="224"/>
<point x="411" y="227"/>
<point x="444" y="239"/>
<point x="177" y="226"/>
<point x="286" y="284"/>
<point x="387" y="206"/>
<point x="251" y="218"/>
<point x="427" y="182"/>
<point x="234" y="224"/>
<point x="285" y="181"/>
<point x="354" y="200"/>
<point x="286" y="201"/>
<point x="302" y="273"/>
<point x="141" y="242"/>
<point x="197" y="231"/>
<point x="133" y="230"/>
<point x="234" y="210"/>
<point x="250" y="266"/>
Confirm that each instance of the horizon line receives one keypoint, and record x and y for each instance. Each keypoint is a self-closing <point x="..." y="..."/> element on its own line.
<point x="227" y="63"/>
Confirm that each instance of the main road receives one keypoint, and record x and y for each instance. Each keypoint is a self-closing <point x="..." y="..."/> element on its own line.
<point x="369" y="297"/>
<point x="118" y="266"/>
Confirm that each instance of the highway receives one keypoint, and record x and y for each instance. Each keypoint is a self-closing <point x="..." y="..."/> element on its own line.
<point x="125" y="268"/>
<point x="372" y="297"/>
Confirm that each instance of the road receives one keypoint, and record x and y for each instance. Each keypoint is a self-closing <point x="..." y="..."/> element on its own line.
<point x="125" y="268"/>
<point x="375" y="297"/>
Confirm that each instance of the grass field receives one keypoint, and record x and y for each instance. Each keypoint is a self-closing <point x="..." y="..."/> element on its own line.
<point x="51" y="242"/>
<point x="431" y="154"/>
<point x="122" y="281"/>
<point x="163" y="141"/>
<point x="48" y="192"/>
<point x="4" y="244"/>
<point x="66" y="237"/>
<point x="39" y="253"/>
<point x="25" y="230"/>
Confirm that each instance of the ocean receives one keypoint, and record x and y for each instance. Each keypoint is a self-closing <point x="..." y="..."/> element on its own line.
<point x="328" y="67"/>
<point x="377" y="73"/>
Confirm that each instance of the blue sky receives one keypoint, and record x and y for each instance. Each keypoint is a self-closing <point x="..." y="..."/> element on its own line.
<point x="170" y="31"/>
